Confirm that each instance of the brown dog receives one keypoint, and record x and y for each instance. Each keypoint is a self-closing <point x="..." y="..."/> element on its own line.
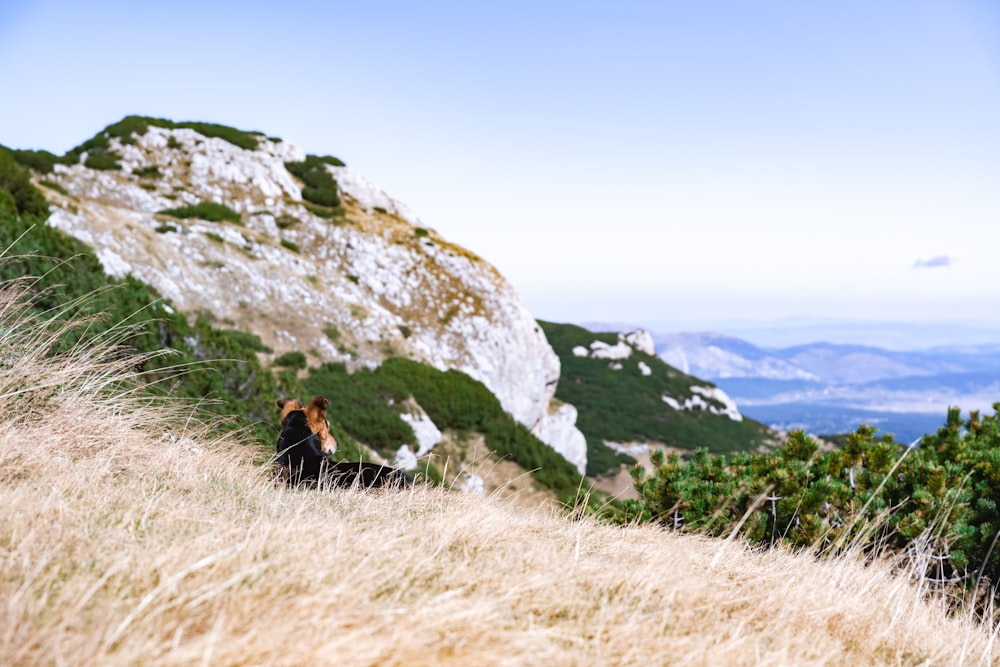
<point x="315" y="417"/>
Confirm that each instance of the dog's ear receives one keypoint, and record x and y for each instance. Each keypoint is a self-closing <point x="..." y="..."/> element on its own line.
<point x="281" y="402"/>
<point x="321" y="402"/>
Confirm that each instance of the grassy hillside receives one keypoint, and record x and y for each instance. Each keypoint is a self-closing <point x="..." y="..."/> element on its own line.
<point x="128" y="537"/>
<point x="625" y="405"/>
<point x="237" y="384"/>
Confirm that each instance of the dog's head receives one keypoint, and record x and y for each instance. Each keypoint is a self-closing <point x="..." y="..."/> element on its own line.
<point x="315" y="415"/>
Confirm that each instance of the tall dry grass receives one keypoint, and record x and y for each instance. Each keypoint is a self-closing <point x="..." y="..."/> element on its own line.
<point x="128" y="537"/>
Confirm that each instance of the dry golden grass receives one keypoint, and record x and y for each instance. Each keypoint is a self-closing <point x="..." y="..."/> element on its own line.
<point x="128" y="537"/>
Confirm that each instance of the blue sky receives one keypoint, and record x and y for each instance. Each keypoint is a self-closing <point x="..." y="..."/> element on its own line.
<point x="696" y="164"/>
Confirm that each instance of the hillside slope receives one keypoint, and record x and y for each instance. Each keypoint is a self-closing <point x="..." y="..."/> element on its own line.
<point x="255" y="235"/>
<point x="128" y="538"/>
<point x="628" y="399"/>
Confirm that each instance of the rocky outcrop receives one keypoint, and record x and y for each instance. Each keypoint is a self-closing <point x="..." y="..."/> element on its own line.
<point x="559" y="427"/>
<point x="355" y="284"/>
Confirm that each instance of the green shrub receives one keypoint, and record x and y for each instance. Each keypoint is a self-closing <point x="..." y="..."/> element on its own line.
<point x="148" y="172"/>
<point x="205" y="210"/>
<point x="105" y="160"/>
<point x="323" y="212"/>
<point x="319" y="186"/>
<point x="138" y="125"/>
<point x="52" y="185"/>
<point x="873" y="493"/>
<point x="28" y="201"/>
<point x="291" y="360"/>
<point x="291" y="245"/>
<point x="41" y="161"/>
<point x="163" y="229"/>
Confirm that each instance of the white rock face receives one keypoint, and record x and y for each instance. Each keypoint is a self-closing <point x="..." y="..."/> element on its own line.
<point x="405" y="459"/>
<point x="601" y="350"/>
<point x="697" y="402"/>
<point x="641" y="340"/>
<point x="638" y="340"/>
<point x="473" y="484"/>
<point x="633" y="449"/>
<point x="355" y="288"/>
<point x="368" y="195"/>
<point x="427" y="433"/>
<point x="560" y="428"/>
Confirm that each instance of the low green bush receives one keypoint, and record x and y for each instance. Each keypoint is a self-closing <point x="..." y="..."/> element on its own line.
<point x="148" y="172"/>
<point x="104" y="160"/>
<point x="319" y="186"/>
<point x="205" y="210"/>
<point x="939" y="496"/>
<point x="291" y="360"/>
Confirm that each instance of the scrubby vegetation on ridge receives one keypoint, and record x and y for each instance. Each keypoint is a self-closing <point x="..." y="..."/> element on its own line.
<point x="98" y="147"/>
<point x="626" y="406"/>
<point x="129" y="537"/>
<point x="367" y="405"/>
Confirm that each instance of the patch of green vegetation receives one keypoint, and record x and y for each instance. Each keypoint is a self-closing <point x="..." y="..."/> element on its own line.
<point x="138" y="125"/>
<point x="420" y="232"/>
<point x="285" y="221"/>
<point x="52" y="185"/>
<point x="148" y="172"/>
<point x="40" y="161"/>
<point x="205" y="210"/>
<point x="873" y="493"/>
<point x="324" y="212"/>
<point x="625" y="405"/>
<point x="353" y="278"/>
<point x="163" y="229"/>
<point x="428" y="472"/>
<point x="291" y="245"/>
<point x="215" y="237"/>
<point x="405" y="330"/>
<point x="332" y="332"/>
<point x="319" y="186"/>
<point x="104" y="160"/>
<point x="290" y="360"/>
<point x="368" y="405"/>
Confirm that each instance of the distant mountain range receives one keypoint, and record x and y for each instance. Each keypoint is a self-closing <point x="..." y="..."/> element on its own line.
<point x="829" y="388"/>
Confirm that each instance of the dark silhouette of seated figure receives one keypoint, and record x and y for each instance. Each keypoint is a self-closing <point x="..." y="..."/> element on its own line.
<point x="302" y="461"/>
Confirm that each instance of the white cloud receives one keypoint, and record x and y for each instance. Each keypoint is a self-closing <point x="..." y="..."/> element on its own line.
<point x="933" y="262"/>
